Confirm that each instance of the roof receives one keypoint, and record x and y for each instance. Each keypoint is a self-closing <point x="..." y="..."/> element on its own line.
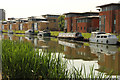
<point x="81" y="13"/>
<point x="51" y="15"/>
<point x="37" y="17"/>
<point x="44" y="21"/>
<point x="88" y="17"/>
<point x="109" y="4"/>
<point x="25" y="19"/>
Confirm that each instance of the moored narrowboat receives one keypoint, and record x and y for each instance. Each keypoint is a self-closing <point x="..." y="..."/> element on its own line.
<point x="71" y="36"/>
<point x="44" y="33"/>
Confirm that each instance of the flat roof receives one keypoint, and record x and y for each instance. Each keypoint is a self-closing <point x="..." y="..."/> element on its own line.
<point x="88" y="17"/>
<point x="50" y="15"/>
<point x="109" y="4"/>
<point x="81" y="13"/>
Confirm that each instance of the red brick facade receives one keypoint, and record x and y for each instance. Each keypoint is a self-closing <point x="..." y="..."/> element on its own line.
<point x="110" y="18"/>
<point x="40" y="23"/>
<point x="72" y="24"/>
<point x="88" y="26"/>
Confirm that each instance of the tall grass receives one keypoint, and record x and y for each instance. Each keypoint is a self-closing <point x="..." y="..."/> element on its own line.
<point x="21" y="60"/>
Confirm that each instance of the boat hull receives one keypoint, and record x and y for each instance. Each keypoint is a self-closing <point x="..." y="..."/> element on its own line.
<point x="104" y="41"/>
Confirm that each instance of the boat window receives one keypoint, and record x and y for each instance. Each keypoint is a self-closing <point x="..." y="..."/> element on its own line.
<point x="102" y="36"/>
<point x="105" y="36"/>
<point x="112" y="36"/>
<point x="98" y="36"/>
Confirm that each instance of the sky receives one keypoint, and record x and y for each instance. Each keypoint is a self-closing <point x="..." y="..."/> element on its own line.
<point x="27" y="8"/>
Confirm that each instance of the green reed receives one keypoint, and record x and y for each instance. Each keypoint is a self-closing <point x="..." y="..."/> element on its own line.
<point x="22" y="60"/>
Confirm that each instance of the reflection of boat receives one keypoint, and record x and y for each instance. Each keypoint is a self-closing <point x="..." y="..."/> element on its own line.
<point x="30" y="31"/>
<point x="10" y="32"/>
<point x="77" y="51"/>
<point x="43" y="38"/>
<point x="73" y="45"/>
<point x="101" y="37"/>
<point x="29" y="38"/>
<point x="74" y="36"/>
<point x="101" y="48"/>
<point x="10" y="36"/>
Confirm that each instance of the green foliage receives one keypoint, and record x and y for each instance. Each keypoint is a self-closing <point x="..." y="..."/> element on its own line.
<point x="21" y="60"/>
<point x="86" y="35"/>
<point x="61" y="23"/>
<point x="19" y="31"/>
<point x="119" y="38"/>
<point x="55" y="33"/>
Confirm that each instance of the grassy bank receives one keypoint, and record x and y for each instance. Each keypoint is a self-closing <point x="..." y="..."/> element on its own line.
<point x="55" y="33"/>
<point x="21" y="60"/>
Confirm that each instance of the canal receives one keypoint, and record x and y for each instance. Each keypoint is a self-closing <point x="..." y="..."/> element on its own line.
<point x="105" y="57"/>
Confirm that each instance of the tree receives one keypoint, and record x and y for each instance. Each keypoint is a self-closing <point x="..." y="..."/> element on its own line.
<point x="61" y="22"/>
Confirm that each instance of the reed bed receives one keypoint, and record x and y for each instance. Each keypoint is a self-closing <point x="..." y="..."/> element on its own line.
<point x="21" y="60"/>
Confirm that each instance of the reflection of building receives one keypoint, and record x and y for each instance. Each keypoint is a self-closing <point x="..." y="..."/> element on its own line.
<point x="75" y="51"/>
<point x="108" y="63"/>
<point x="108" y="57"/>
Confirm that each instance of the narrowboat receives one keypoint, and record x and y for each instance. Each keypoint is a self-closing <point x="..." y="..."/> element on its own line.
<point x="71" y="36"/>
<point x="44" y="33"/>
<point x="104" y="38"/>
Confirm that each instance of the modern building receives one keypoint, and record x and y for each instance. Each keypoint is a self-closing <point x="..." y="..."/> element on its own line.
<point x="87" y="24"/>
<point x="109" y="20"/>
<point x="34" y="22"/>
<point x="53" y="21"/>
<point x="2" y="14"/>
<point x="78" y="22"/>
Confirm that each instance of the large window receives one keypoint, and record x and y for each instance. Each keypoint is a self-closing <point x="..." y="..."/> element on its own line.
<point x="114" y="24"/>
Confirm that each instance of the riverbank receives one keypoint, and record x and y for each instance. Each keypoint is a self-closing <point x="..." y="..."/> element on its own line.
<point x="56" y="33"/>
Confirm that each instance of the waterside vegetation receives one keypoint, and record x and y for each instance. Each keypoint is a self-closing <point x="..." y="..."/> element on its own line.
<point x="22" y="60"/>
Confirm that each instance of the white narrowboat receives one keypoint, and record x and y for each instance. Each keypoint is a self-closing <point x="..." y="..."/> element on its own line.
<point x="104" y="38"/>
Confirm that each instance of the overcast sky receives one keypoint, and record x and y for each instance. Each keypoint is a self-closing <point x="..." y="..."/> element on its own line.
<point x="27" y="8"/>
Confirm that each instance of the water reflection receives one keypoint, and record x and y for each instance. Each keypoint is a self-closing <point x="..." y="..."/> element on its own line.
<point x="77" y="51"/>
<point x="0" y="57"/>
<point x="107" y="56"/>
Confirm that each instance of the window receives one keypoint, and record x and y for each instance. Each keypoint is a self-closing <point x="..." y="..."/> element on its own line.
<point x="81" y="28"/>
<point x="105" y="36"/>
<point x="98" y="36"/>
<point x="84" y="28"/>
<point x="102" y="36"/>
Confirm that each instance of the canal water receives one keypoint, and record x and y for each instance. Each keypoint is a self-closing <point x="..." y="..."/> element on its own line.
<point x="105" y="57"/>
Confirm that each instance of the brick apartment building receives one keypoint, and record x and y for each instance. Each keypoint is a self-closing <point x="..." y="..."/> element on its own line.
<point x="79" y="21"/>
<point x="37" y="22"/>
<point x="109" y="18"/>
<point x="53" y="21"/>
<point x="87" y="24"/>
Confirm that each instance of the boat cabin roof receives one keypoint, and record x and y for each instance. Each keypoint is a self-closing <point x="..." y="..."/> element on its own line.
<point x="98" y="33"/>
